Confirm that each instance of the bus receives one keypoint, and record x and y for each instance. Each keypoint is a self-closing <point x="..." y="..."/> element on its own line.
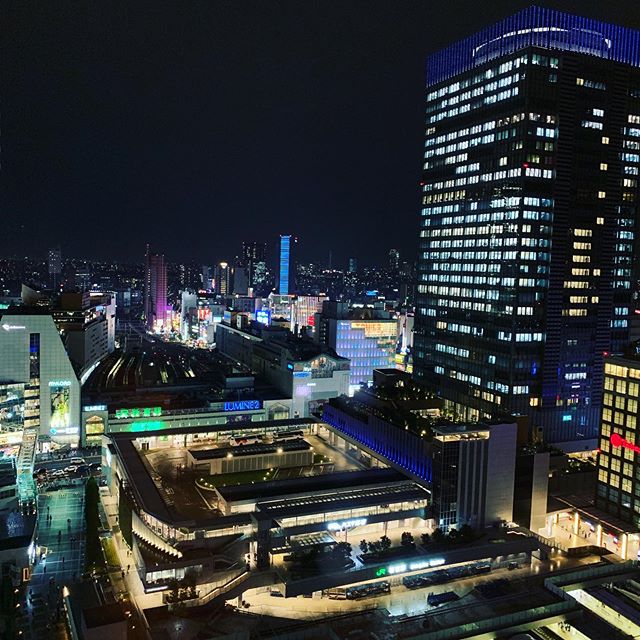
<point x="436" y="599"/>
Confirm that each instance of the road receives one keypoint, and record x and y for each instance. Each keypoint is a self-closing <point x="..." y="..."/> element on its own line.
<point x="401" y="601"/>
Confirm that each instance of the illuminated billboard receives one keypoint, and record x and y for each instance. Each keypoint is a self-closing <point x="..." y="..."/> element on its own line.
<point x="60" y="393"/>
<point x="263" y="316"/>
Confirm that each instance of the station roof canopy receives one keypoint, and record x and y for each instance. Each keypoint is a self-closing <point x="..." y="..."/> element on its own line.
<point x="309" y="484"/>
<point x="250" y="450"/>
<point x="342" y="499"/>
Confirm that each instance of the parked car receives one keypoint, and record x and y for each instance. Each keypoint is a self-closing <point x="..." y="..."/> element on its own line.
<point x="72" y="468"/>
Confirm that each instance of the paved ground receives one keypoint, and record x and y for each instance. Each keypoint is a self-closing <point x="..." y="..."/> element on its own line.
<point x="64" y="562"/>
<point x="401" y="600"/>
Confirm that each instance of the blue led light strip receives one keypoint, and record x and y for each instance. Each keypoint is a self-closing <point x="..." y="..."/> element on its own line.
<point x="536" y="27"/>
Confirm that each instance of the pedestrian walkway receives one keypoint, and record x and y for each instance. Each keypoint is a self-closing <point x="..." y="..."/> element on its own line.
<point x="60" y="536"/>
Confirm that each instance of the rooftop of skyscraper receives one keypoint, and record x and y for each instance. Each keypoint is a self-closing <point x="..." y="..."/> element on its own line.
<point x="536" y="27"/>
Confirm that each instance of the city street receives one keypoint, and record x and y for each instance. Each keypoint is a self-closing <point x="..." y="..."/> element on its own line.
<point x="62" y="546"/>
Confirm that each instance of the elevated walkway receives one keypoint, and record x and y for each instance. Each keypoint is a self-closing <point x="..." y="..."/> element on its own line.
<point x="27" y="492"/>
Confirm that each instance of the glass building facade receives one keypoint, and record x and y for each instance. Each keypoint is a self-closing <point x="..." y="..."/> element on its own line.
<point x="528" y="219"/>
<point x="369" y="345"/>
<point x="618" y="484"/>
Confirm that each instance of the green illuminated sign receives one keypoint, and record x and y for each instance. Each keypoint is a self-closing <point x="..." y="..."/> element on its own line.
<point x="382" y="571"/>
<point x="147" y="425"/>
<point x="146" y="412"/>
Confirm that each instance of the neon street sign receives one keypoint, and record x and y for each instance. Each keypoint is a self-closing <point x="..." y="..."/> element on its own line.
<point x="60" y="383"/>
<point x="145" y="412"/>
<point x="95" y="407"/>
<point x="242" y="405"/>
<point x="618" y="441"/>
<point x="346" y="524"/>
<point x="402" y="567"/>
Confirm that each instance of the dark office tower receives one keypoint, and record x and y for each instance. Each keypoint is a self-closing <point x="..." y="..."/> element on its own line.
<point x="353" y="265"/>
<point x="55" y="266"/>
<point x="155" y="290"/>
<point x="529" y="197"/>
<point x="254" y="259"/>
<point x="394" y="259"/>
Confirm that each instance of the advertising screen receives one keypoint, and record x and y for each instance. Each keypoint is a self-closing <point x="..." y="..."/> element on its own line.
<point x="60" y="406"/>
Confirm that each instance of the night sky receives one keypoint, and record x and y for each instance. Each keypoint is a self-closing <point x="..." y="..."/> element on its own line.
<point x="195" y="125"/>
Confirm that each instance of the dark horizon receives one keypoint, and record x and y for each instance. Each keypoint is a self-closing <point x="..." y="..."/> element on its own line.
<point x="195" y="130"/>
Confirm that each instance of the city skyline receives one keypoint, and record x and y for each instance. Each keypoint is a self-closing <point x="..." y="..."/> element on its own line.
<point x="351" y="338"/>
<point x="123" y="129"/>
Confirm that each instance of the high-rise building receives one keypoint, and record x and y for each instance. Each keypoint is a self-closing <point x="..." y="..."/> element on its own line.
<point x="353" y="265"/>
<point x="207" y="280"/>
<point x="155" y="291"/>
<point x="222" y="279"/>
<point x="55" y="266"/>
<point x="240" y="280"/>
<point x="394" y="259"/>
<point x="285" y="255"/>
<point x="529" y="206"/>
<point x="618" y="484"/>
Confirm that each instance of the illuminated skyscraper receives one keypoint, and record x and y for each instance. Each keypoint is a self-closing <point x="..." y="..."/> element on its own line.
<point x="222" y="279"/>
<point x="254" y="259"/>
<point x="529" y="206"/>
<point x="155" y="290"/>
<point x="55" y="266"/>
<point x="285" y="255"/>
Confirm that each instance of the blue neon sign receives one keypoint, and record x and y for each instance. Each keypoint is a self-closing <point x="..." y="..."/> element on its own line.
<point x="242" y="405"/>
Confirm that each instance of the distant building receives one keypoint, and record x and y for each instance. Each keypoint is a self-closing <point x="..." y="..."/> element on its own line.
<point x="55" y="266"/>
<point x="302" y="370"/>
<point x="222" y="279"/>
<point x="394" y="259"/>
<point x="366" y="336"/>
<point x="254" y="258"/>
<point x="285" y="258"/>
<point x="353" y="265"/>
<point x="87" y="324"/>
<point x="206" y="278"/>
<point x="155" y="292"/>
<point x="303" y="310"/>
<point x="240" y="278"/>
<point x="200" y="313"/>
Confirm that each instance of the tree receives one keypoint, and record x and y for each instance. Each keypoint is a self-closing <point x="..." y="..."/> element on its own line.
<point x="407" y="539"/>
<point x="438" y="535"/>
<point x="174" y="590"/>
<point x="426" y="539"/>
<point x="467" y="533"/>
<point x="454" y="536"/>
<point x="364" y="546"/>
<point x="375" y="547"/>
<point x="342" y="550"/>
<point x="385" y="543"/>
<point x="94" y="555"/>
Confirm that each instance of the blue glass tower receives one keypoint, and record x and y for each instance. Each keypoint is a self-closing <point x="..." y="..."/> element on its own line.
<point x="285" y="254"/>
<point x="528" y="241"/>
